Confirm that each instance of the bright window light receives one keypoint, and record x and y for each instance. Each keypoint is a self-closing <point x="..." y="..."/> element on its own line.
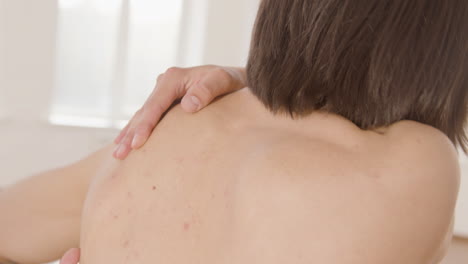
<point x="67" y="4"/>
<point x="109" y="53"/>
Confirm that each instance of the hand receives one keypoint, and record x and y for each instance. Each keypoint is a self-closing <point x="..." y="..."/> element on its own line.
<point x="197" y="87"/>
<point x="71" y="257"/>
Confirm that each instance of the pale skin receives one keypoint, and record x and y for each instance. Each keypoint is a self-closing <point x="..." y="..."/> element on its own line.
<point x="203" y="82"/>
<point x="235" y="184"/>
<point x="196" y="87"/>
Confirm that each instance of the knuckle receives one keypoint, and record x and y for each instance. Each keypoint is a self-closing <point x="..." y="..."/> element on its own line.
<point x="136" y="117"/>
<point x="156" y="110"/>
<point x="173" y="70"/>
<point x="222" y="73"/>
<point x="139" y="112"/>
<point x="160" y="77"/>
<point x="205" y="91"/>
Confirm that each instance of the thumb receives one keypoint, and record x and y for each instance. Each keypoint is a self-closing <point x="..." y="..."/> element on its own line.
<point x="191" y="102"/>
<point x="202" y="94"/>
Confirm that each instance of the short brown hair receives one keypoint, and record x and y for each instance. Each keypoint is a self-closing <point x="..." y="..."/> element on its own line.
<point x="374" y="62"/>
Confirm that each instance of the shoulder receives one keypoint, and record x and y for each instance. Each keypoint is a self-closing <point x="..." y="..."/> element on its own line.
<point x="425" y="153"/>
<point x="426" y="172"/>
<point x="411" y="133"/>
<point x="402" y="216"/>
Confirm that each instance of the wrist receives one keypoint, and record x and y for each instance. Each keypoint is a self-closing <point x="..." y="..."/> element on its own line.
<point x="238" y="76"/>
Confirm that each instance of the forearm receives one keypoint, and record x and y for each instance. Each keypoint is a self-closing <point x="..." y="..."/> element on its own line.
<point x="3" y="261"/>
<point x="41" y="216"/>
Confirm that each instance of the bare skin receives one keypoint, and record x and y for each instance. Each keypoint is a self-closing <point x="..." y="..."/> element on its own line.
<point x="246" y="186"/>
<point x="235" y="184"/>
<point x="57" y="194"/>
<point x="196" y="87"/>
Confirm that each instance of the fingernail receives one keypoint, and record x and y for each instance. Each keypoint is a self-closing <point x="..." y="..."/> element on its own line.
<point x="119" y="151"/>
<point x="192" y="104"/>
<point x="137" y="141"/>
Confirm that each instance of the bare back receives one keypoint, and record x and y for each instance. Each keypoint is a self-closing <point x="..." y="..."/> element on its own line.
<point x="236" y="184"/>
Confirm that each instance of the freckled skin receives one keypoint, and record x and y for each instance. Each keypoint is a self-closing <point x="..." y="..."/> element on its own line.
<point x="253" y="188"/>
<point x="126" y="243"/>
<point x="179" y="160"/>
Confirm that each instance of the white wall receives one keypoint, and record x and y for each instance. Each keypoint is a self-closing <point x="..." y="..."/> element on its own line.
<point x="2" y="60"/>
<point x="220" y="36"/>
<point x="228" y="31"/>
<point x="217" y="31"/>
<point x="27" y="148"/>
<point x="29" y="28"/>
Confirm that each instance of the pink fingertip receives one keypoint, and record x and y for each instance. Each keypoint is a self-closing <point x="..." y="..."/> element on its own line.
<point x="119" y="152"/>
<point x="191" y="104"/>
<point x="137" y="141"/>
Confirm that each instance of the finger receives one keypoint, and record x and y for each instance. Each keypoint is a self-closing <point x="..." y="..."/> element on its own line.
<point x="71" y="257"/>
<point x="149" y="119"/>
<point x="124" y="148"/>
<point x="158" y="103"/>
<point x="169" y="87"/>
<point x="205" y="91"/>
<point x="199" y="96"/>
<point x="122" y="133"/>
<point x="163" y="96"/>
<point x="142" y="134"/>
<point x="190" y="103"/>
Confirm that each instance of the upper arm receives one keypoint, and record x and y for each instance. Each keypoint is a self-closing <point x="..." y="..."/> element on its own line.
<point x="40" y="216"/>
<point x="430" y="179"/>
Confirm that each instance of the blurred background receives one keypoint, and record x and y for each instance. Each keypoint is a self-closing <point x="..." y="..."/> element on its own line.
<point x="72" y="72"/>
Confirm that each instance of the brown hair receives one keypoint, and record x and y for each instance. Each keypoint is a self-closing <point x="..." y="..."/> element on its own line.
<point x="374" y="62"/>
